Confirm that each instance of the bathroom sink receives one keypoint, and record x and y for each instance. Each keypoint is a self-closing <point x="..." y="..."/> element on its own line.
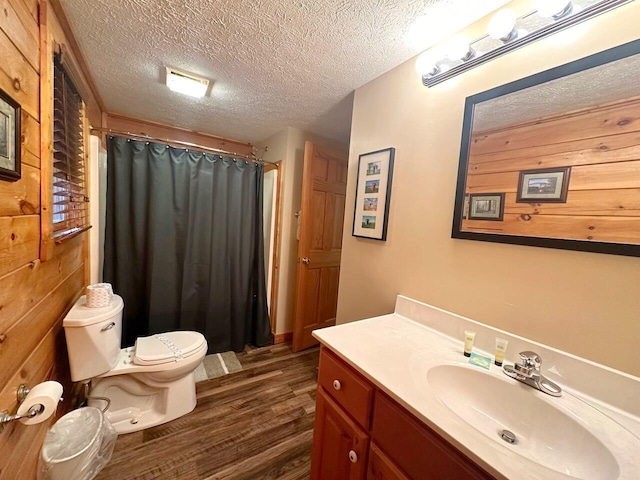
<point x="540" y="429"/>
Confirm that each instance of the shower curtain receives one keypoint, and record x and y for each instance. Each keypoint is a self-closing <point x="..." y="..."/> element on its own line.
<point x="184" y="243"/>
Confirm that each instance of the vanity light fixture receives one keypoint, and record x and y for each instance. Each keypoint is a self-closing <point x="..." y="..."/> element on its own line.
<point x="458" y="48"/>
<point x="186" y="83"/>
<point x="427" y="64"/>
<point x="555" y="9"/>
<point x="502" y="26"/>
<point x="508" y="32"/>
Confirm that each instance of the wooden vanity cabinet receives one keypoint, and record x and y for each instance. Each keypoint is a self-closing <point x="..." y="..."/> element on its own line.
<point x="382" y="467"/>
<point x="340" y="446"/>
<point x="421" y="452"/>
<point x="362" y="434"/>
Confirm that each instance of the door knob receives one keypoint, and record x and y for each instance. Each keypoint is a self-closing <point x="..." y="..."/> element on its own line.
<point x="337" y="385"/>
<point x="306" y="260"/>
<point x="353" y="456"/>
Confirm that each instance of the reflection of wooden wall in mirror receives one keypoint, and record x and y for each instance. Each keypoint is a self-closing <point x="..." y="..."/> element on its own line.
<point x="562" y="147"/>
<point x="601" y="144"/>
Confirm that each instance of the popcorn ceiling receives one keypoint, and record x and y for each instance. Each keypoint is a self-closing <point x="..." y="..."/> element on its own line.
<point x="274" y="64"/>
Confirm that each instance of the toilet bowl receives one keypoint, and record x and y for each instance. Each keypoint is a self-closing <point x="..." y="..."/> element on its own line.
<point x="148" y="384"/>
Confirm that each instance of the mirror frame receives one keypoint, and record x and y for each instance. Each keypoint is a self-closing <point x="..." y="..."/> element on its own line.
<point x="597" y="59"/>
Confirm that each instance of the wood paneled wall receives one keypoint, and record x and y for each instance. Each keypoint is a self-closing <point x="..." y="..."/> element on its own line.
<point x="601" y="144"/>
<point x="34" y="294"/>
<point x="166" y="132"/>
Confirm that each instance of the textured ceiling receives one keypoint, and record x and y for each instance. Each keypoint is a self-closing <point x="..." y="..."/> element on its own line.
<point x="604" y="84"/>
<point x="274" y="64"/>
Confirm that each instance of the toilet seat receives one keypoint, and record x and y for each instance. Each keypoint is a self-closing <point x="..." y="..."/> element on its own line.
<point x="167" y="347"/>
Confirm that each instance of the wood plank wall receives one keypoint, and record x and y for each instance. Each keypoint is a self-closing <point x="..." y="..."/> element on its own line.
<point x="34" y="294"/>
<point x="158" y="130"/>
<point x="601" y="144"/>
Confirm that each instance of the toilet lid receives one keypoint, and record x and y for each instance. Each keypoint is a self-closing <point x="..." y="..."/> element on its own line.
<point x="167" y="347"/>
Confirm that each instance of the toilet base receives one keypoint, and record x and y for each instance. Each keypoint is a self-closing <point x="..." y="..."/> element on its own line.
<point x="137" y="405"/>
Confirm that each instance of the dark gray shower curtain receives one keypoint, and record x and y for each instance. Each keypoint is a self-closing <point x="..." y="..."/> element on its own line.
<point x="184" y="243"/>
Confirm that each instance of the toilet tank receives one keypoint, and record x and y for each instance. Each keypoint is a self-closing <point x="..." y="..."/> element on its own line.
<point x="93" y="338"/>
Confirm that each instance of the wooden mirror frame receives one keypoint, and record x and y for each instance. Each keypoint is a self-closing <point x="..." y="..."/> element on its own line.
<point x="601" y="58"/>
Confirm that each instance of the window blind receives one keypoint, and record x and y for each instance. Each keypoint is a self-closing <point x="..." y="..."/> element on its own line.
<point x="70" y="212"/>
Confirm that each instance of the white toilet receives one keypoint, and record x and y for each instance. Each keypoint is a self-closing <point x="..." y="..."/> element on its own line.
<point x="148" y="384"/>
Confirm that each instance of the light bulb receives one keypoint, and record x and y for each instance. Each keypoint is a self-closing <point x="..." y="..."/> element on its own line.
<point x="502" y="24"/>
<point x="419" y="32"/>
<point x="426" y="64"/>
<point x="553" y="8"/>
<point x="458" y="48"/>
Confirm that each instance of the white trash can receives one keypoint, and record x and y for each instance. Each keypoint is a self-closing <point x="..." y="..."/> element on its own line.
<point x="77" y="447"/>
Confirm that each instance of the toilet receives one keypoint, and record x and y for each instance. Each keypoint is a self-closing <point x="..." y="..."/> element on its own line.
<point x="148" y="384"/>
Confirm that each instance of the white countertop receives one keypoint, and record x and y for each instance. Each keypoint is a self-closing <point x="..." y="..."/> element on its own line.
<point x="395" y="353"/>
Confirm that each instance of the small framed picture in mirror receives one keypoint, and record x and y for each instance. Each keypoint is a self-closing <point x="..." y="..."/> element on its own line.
<point x="9" y="138"/>
<point x="544" y="186"/>
<point x="486" y="206"/>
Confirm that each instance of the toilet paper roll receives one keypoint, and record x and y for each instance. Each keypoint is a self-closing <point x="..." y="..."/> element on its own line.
<point x="48" y="394"/>
<point x="99" y="295"/>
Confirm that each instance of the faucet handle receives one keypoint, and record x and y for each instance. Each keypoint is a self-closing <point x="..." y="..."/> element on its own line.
<point x="531" y="359"/>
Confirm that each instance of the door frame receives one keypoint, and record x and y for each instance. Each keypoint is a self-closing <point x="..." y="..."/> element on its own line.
<point x="275" y="266"/>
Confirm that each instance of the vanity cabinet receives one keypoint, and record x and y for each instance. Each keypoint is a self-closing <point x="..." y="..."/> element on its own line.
<point x="382" y="467"/>
<point x="360" y="433"/>
<point x="340" y="446"/>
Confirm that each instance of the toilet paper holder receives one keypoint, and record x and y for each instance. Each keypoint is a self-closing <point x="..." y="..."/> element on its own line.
<point x="21" y="394"/>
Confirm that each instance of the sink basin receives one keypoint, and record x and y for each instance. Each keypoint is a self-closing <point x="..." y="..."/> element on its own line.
<point x="545" y="433"/>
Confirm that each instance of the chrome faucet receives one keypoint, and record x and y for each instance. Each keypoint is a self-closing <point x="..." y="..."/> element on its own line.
<point x="528" y="371"/>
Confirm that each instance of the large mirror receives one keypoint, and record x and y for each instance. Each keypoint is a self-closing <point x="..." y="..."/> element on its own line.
<point x="553" y="160"/>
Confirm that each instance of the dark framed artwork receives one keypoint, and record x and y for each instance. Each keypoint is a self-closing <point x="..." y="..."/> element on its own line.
<point x="544" y="185"/>
<point x="373" y="194"/>
<point x="486" y="206"/>
<point x="10" y="135"/>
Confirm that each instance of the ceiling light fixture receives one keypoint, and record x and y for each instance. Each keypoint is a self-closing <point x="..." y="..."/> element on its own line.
<point x="186" y="83"/>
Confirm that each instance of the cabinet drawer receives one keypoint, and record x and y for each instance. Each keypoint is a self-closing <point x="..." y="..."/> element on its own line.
<point x="352" y="391"/>
<point x="416" y="449"/>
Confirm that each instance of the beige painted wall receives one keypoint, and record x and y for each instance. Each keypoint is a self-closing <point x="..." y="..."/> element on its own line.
<point x="288" y="146"/>
<point x="584" y="303"/>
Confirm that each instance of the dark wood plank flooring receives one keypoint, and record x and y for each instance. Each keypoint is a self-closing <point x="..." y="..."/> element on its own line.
<point x="251" y="425"/>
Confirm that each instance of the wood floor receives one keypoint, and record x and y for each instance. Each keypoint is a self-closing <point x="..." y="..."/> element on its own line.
<point x="251" y="425"/>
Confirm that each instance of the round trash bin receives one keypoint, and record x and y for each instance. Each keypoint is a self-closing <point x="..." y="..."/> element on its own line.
<point x="77" y="447"/>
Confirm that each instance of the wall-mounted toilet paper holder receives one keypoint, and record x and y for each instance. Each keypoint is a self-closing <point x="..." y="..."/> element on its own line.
<point x="21" y="394"/>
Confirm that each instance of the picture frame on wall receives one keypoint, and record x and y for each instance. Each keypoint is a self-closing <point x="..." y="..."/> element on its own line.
<point x="373" y="194"/>
<point x="548" y="185"/>
<point x="10" y="135"/>
<point x="486" y="206"/>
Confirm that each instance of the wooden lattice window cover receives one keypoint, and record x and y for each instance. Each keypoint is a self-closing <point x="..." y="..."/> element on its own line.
<point x="70" y="209"/>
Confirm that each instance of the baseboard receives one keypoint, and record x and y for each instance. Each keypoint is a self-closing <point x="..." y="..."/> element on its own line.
<point x="283" y="337"/>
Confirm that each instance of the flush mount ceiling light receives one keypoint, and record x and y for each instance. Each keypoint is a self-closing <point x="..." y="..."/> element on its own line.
<point x="186" y="83"/>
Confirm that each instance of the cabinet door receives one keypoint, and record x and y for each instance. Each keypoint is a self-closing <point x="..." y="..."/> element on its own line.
<point x="382" y="467"/>
<point x="418" y="450"/>
<point x="340" y="446"/>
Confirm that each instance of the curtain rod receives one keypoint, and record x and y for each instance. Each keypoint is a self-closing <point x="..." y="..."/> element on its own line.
<point x="178" y="143"/>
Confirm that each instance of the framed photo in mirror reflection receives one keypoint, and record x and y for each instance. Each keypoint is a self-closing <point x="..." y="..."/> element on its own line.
<point x="10" y="138"/>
